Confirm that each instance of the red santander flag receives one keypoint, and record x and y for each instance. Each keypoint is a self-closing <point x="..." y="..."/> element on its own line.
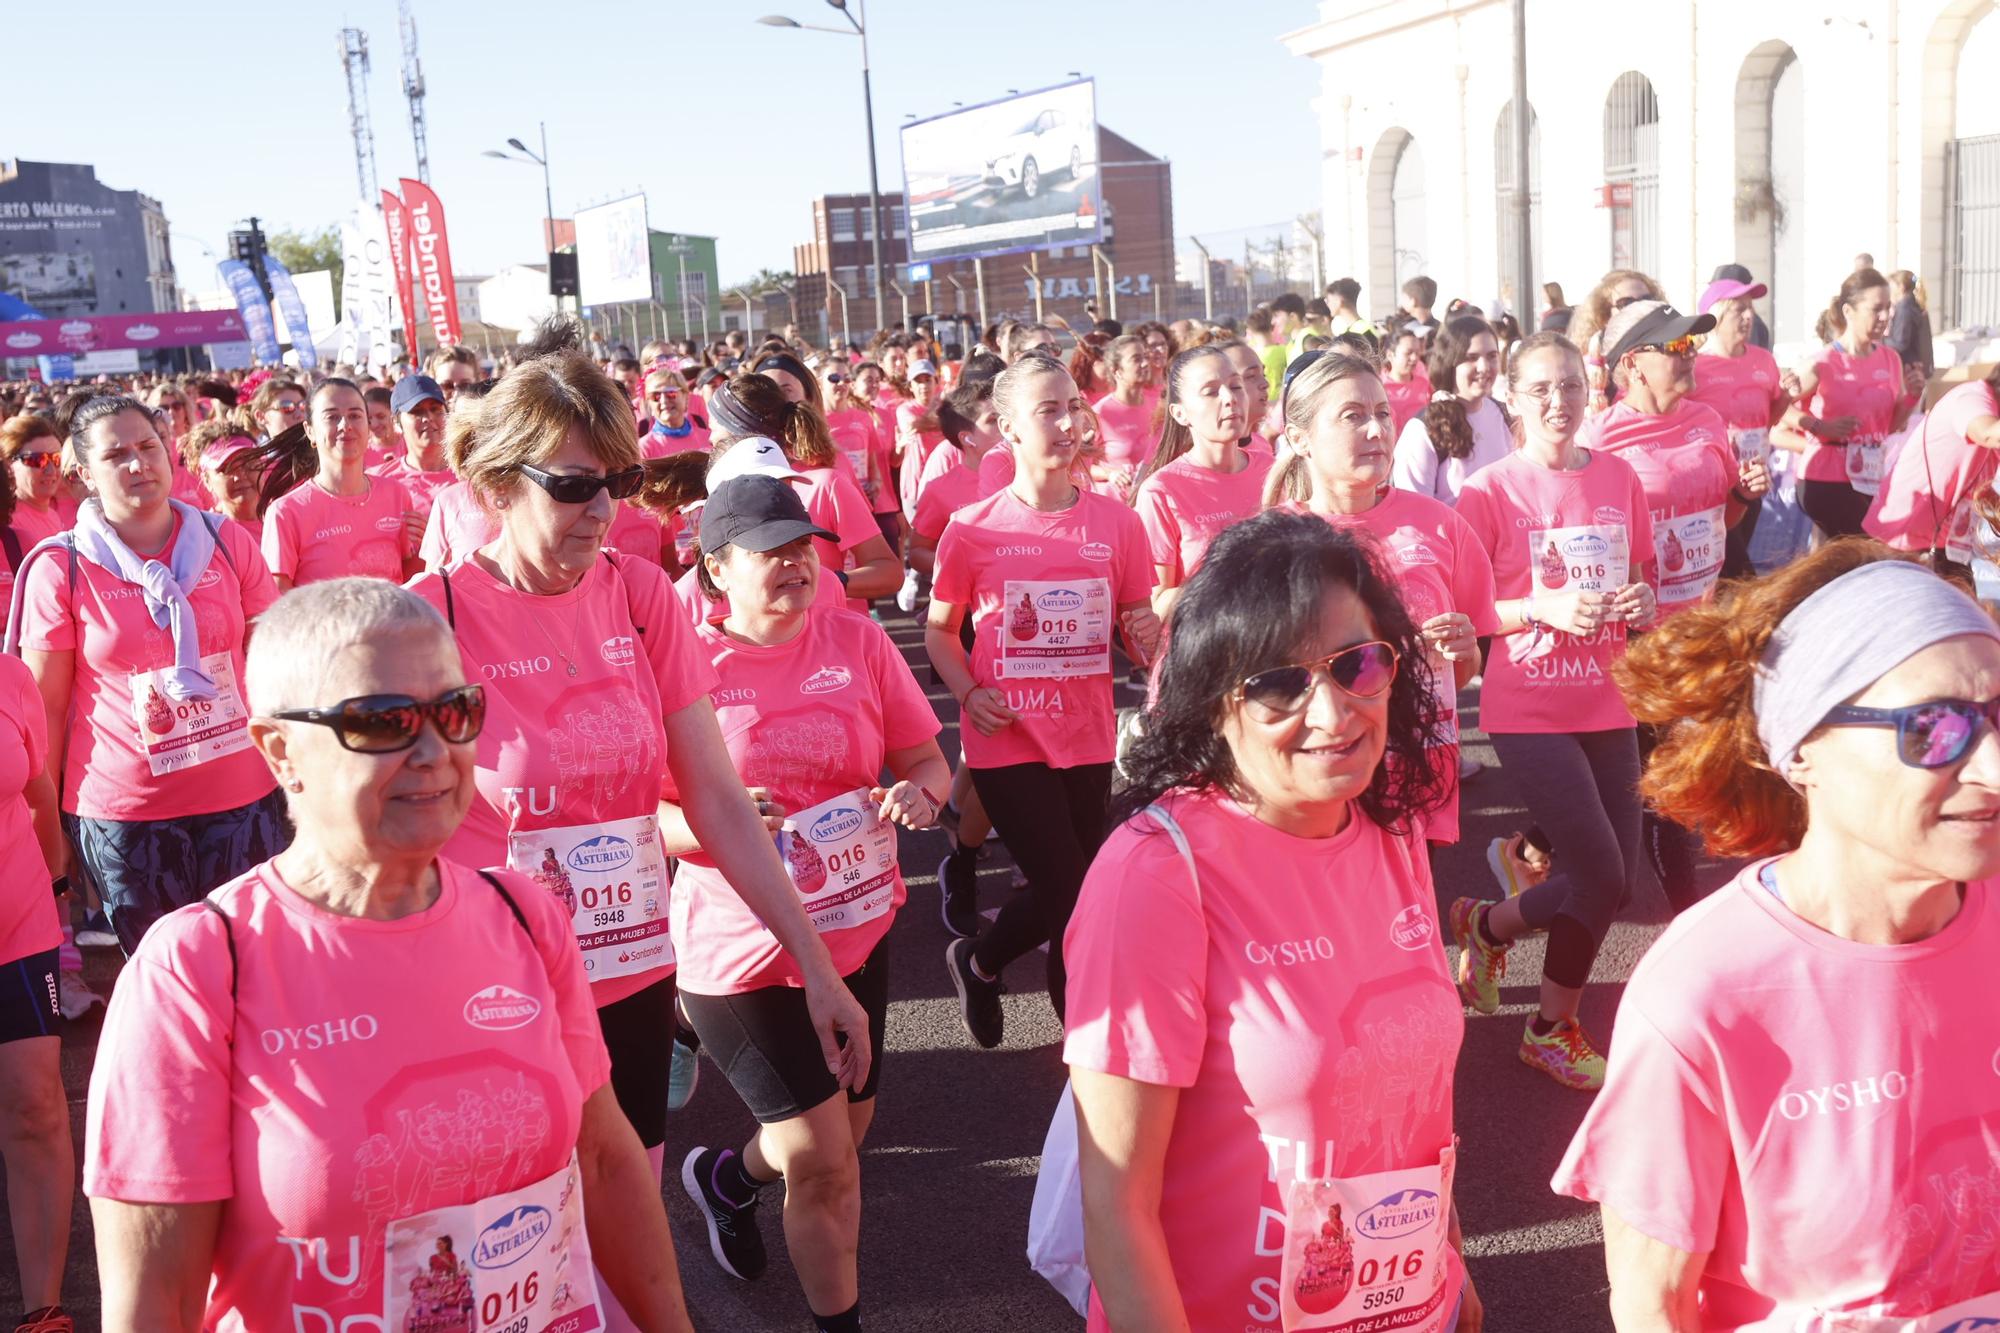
<point x="396" y="219"/>
<point x="431" y="259"/>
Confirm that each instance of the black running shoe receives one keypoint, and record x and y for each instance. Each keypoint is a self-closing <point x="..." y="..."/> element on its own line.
<point x="958" y="892"/>
<point x="733" y="1237"/>
<point x="978" y="1000"/>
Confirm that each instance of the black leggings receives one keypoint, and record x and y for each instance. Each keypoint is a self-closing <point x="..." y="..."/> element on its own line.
<point x="638" y="1036"/>
<point x="1052" y="820"/>
<point x="1669" y="847"/>
<point x="1835" y="507"/>
<point x="1736" y="543"/>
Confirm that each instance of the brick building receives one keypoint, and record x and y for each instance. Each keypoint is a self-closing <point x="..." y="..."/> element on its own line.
<point x="1138" y="243"/>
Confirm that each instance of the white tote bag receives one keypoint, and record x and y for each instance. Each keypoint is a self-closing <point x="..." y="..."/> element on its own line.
<point x="1055" y="1220"/>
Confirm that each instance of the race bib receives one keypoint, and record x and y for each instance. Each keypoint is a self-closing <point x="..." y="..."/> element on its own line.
<point x="1370" y="1253"/>
<point x="841" y="855"/>
<point x="1864" y="463"/>
<point x="517" y="1262"/>
<point x="1060" y="628"/>
<point x="178" y="734"/>
<point x="1958" y="536"/>
<point x="1591" y="558"/>
<point x="612" y="880"/>
<point x="1690" y="549"/>
<point x="1752" y="446"/>
<point x="858" y="460"/>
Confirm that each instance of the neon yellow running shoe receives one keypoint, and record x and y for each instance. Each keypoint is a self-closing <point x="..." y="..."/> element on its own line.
<point x="1565" y="1055"/>
<point x="1480" y="964"/>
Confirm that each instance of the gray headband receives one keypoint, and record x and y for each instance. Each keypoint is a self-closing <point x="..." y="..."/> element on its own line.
<point x="736" y="417"/>
<point x="1844" y="638"/>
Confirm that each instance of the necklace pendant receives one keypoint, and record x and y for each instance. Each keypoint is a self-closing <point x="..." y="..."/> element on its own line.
<point x="571" y="665"/>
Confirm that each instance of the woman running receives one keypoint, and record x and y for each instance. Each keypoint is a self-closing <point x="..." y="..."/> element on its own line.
<point x="1856" y="393"/>
<point x="1125" y="415"/>
<point x="819" y="704"/>
<point x="1937" y="498"/>
<point x="853" y="423"/>
<point x="1048" y="570"/>
<point x="1742" y="382"/>
<point x="1570" y="535"/>
<point x="1462" y="429"/>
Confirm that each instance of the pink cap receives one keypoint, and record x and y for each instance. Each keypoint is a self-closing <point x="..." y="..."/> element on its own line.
<point x="217" y="455"/>
<point x="1728" y="289"/>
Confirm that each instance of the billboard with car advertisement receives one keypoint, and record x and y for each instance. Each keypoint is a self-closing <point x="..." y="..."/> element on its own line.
<point x="1017" y="174"/>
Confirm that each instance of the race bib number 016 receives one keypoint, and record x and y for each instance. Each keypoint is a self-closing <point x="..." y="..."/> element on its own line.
<point x="1370" y="1254"/>
<point x="612" y="880"/>
<point x="1060" y="628"/>
<point x="1864" y="463"/>
<point x="177" y="734"/>
<point x="1690" y="550"/>
<point x="841" y="855"/>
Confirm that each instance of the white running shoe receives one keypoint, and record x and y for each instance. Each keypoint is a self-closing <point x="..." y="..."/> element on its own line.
<point x="74" y="997"/>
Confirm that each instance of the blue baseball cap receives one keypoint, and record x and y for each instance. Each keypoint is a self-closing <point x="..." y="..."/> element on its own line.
<point x="413" y="389"/>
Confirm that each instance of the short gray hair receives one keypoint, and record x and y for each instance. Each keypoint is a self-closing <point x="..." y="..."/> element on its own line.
<point x="303" y="634"/>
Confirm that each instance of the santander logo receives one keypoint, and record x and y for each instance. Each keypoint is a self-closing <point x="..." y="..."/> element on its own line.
<point x="826" y="680"/>
<point x="501" y="1008"/>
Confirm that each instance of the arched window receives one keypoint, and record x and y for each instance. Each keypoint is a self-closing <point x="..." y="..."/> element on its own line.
<point x="1503" y="198"/>
<point x="1410" y="231"/>
<point x="1398" y="230"/>
<point x="1632" y="172"/>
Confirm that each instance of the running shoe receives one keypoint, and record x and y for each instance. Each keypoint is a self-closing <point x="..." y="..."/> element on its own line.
<point x="48" y="1319"/>
<point x="733" y="1237"/>
<point x="1565" y="1055"/>
<point x="906" y="596"/>
<point x="1512" y="870"/>
<point x="1480" y="964"/>
<point x="97" y="932"/>
<point x="683" y="1075"/>
<point x="958" y="893"/>
<point x="74" y="997"/>
<point x="978" y="999"/>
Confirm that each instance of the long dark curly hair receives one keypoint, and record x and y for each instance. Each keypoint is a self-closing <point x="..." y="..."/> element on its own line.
<point x="1256" y="603"/>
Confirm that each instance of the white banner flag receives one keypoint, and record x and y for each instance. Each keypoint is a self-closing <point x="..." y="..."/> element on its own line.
<point x="367" y="290"/>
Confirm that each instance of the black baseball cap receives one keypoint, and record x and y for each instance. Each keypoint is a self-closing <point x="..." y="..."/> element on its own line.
<point x="758" y="513"/>
<point x="1649" y="324"/>
<point x="414" y="389"/>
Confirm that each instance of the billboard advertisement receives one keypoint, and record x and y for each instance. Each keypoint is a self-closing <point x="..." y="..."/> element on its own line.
<point x="613" y="260"/>
<point x="81" y="334"/>
<point x="70" y="245"/>
<point x="1016" y="174"/>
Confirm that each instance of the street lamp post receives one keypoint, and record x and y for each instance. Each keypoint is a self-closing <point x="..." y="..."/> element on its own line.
<point x="868" y="109"/>
<point x="548" y="195"/>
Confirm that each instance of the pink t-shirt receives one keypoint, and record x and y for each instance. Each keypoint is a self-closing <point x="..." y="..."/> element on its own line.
<point x="1829" y="1110"/>
<point x="1439" y="566"/>
<point x="1184" y="506"/>
<point x="107" y="773"/>
<point x="36" y="524"/>
<point x="28" y="920"/>
<point x="867" y="453"/>
<point x="458" y="526"/>
<point x="1407" y="398"/>
<point x="835" y="502"/>
<point x="1548" y="532"/>
<point x="1867" y="389"/>
<point x="636" y="531"/>
<point x="365" y="1072"/>
<point x="423" y="486"/>
<point x="1128" y="432"/>
<point x="1740" y="388"/>
<point x="915" y="447"/>
<point x="311" y="535"/>
<point x="1025" y="577"/>
<point x="1925" y="496"/>
<point x="1688" y="467"/>
<point x="812" y="719"/>
<point x="948" y="486"/>
<point x="699" y="609"/>
<point x="659" y="442"/>
<point x="996" y="470"/>
<point x="563" y="751"/>
<point x="1203" y="989"/>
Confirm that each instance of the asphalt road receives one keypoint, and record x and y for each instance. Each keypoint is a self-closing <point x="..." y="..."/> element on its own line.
<point x="949" y="1167"/>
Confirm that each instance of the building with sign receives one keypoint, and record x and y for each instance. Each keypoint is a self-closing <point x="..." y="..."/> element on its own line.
<point x="687" y="285"/>
<point x="70" y="245"/>
<point x="835" y="290"/>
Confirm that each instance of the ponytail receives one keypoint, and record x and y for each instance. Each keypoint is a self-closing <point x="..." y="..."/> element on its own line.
<point x="287" y="459"/>
<point x="805" y="436"/>
<point x="1175" y="438"/>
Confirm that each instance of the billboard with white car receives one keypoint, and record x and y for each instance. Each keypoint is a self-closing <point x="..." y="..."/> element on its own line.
<point x="1016" y="174"/>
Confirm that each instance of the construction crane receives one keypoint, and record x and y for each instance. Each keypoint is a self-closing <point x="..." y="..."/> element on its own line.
<point x="354" y="59"/>
<point x="413" y="90"/>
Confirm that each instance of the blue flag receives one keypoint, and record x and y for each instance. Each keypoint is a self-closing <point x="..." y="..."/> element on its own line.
<point x="286" y="293"/>
<point x="256" y="311"/>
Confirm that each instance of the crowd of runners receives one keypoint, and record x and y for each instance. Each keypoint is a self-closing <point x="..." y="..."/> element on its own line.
<point x="461" y="758"/>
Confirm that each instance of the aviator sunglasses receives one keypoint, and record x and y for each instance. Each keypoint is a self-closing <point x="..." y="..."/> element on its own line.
<point x="1363" y="671"/>
<point x="577" y="490"/>
<point x="1936" y="734"/>
<point x="386" y="723"/>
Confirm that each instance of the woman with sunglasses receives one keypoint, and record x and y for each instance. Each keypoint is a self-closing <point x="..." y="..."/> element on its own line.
<point x="676" y="428"/>
<point x="1463" y="428"/>
<point x="596" y="691"/>
<point x="1855" y="394"/>
<point x="1267" y="863"/>
<point x="277" y="406"/>
<point x="134" y="624"/>
<point x="1570" y="535"/>
<point x="361" y="1045"/>
<point x="341" y="521"/>
<point x="1048" y="570"/>
<point x="819" y="707"/>
<point x="1816" y="1040"/>
<point x="1199" y="479"/>
<point x="32" y="449"/>
<point x="1338" y="429"/>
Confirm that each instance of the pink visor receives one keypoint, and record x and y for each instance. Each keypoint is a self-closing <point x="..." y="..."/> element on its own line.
<point x="217" y="455"/>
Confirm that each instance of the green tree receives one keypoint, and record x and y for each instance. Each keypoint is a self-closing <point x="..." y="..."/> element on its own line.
<point x="305" y="251"/>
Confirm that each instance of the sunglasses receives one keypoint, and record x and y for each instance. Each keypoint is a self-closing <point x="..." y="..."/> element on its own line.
<point x="1363" y="671"/>
<point x="39" y="461"/>
<point x="387" y="723"/>
<point x="289" y="409"/>
<point x="836" y="378"/>
<point x="1928" y="735"/>
<point x="1685" y="346"/>
<point x="575" y="490"/>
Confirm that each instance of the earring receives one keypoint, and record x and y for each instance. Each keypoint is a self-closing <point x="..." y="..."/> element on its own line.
<point x="293" y="784"/>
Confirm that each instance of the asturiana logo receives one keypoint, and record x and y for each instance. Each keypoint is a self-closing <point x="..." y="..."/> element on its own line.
<point x="835" y="825"/>
<point x="24" y="339"/>
<point x="619" y="650"/>
<point x="141" y="332"/>
<point x="1398" y="1215"/>
<point x="826" y="680"/>
<point x="1060" y="600"/>
<point x="1094" y="551"/>
<point x="1608" y="515"/>
<point x="513" y="1236"/>
<point x="1411" y="929"/>
<point x="605" y="852"/>
<point x="501" y="1008"/>
<point x="1589" y="546"/>
<point x="389" y="523"/>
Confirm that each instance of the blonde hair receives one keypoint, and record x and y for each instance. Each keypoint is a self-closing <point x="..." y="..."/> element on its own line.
<point x="1291" y="477"/>
<point x="530" y="414"/>
<point x="1595" y="312"/>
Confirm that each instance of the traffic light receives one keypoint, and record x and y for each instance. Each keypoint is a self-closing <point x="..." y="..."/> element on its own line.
<point x="248" y="246"/>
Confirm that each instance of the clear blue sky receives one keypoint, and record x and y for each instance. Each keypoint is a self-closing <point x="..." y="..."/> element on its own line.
<point x="223" y="109"/>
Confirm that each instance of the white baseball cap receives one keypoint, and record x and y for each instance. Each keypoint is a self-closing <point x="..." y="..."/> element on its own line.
<point x="754" y="457"/>
<point x="922" y="367"/>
